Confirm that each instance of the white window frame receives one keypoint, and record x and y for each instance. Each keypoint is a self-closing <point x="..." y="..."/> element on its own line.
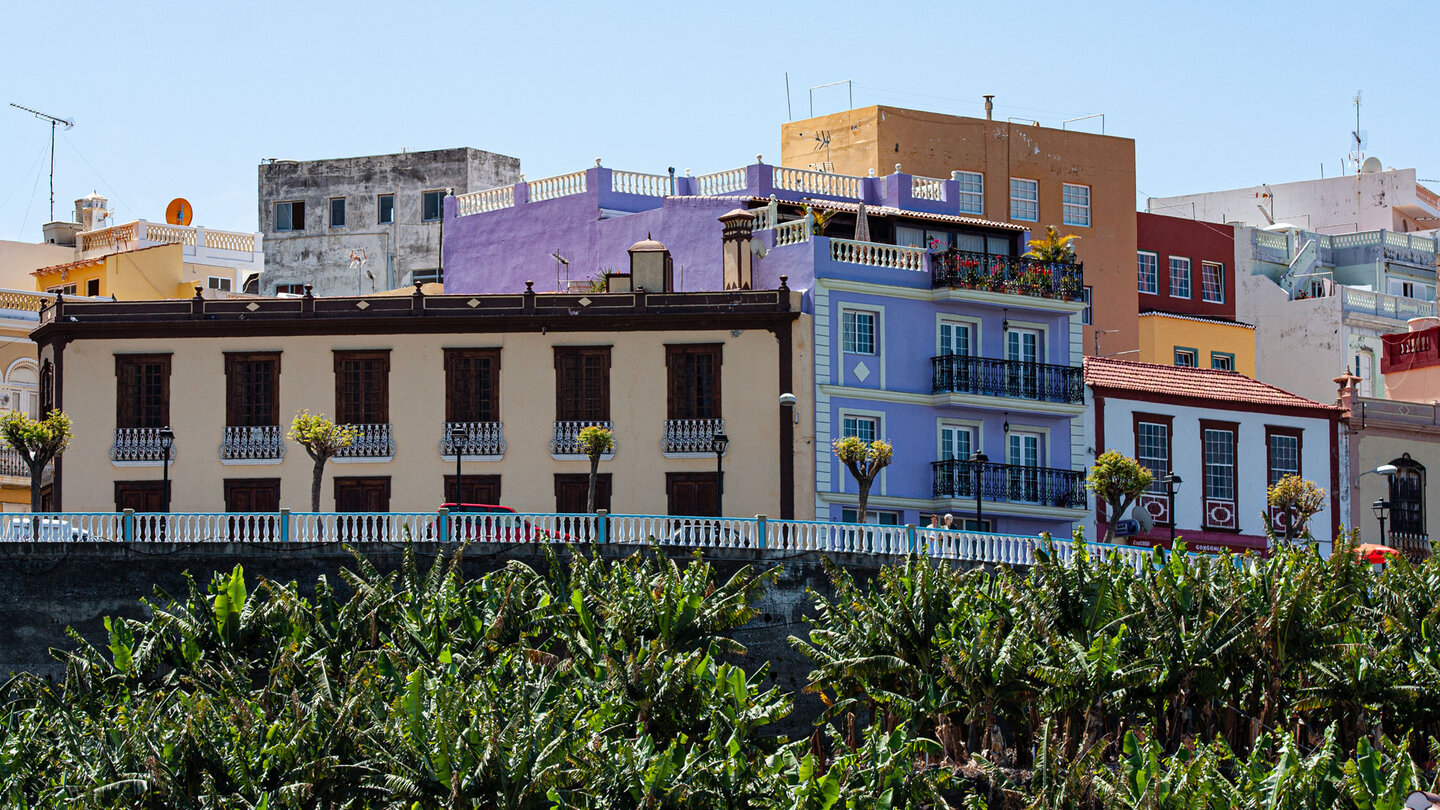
<point x="971" y="427"/>
<point x="63" y="289"/>
<point x="1182" y="268"/>
<point x="1219" y="268"/>
<point x="1157" y="474"/>
<point x="223" y="283"/>
<point x="1272" y="455"/>
<point x="849" y="338"/>
<point x="849" y="418"/>
<point x="1365" y="370"/>
<point x="972" y="324"/>
<point x="1193" y="354"/>
<point x="1073" y="211"/>
<point x="1021" y="202"/>
<point x="872" y="516"/>
<point x="1087" y="315"/>
<point x="1154" y="272"/>
<point x="1226" y="356"/>
<point x="971" y="196"/>
<point x="1206" y="464"/>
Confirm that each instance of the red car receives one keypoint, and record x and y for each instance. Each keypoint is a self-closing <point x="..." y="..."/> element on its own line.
<point x="489" y="523"/>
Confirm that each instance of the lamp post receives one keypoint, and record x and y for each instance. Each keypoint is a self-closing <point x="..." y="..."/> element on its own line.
<point x="1381" y="507"/>
<point x="718" y="443"/>
<point x="167" y="441"/>
<point x="458" y="435"/>
<point x="980" y="459"/>
<point x="1171" y="481"/>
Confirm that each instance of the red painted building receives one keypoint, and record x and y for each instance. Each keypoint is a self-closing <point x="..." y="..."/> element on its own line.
<point x="1181" y="250"/>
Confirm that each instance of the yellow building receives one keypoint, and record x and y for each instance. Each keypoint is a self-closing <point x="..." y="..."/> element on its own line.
<point x="508" y="380"/>
<point x="1190" y="340"/>
<point x="19" y="386"/>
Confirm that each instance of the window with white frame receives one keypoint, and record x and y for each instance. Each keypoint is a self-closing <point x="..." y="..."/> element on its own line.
<point x="857" y="332"/>
<point x="1186" y="358"/>
<point x="1365" y="370"/>
<point x="956" y="442"/>
<point x="848" y="514"/>
<point x="1219" y="464"/>
<point x="1024" y="200"/>
<point x="218" y="283"/>
<point x="1152" y="450"/>
<point x="972" y="192"/>
<point x="1222" y="361"/>
<point x="864" y="428"/>
<point x="1148" y="264"/>
<point x="63" y="289"/>
<point x="1087" y="316"/>
<point x="955" y="338"/>
<point x="1179" y="277"/>
<point x="1284" y="456"/>
<point x="1075" y="205"/>
<point x="1212" y="282"/>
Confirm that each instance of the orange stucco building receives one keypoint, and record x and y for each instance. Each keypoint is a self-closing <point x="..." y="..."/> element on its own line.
<point x="1062" y="178"/>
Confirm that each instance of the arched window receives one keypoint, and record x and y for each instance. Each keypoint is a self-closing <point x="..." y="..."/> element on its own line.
<point x="1407" y="496"/>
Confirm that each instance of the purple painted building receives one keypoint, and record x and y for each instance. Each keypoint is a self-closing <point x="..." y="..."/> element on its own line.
<point x="930" y="330"/>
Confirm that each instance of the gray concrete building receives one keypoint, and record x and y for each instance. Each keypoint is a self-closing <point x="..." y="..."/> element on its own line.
<point x="351" y="226"/>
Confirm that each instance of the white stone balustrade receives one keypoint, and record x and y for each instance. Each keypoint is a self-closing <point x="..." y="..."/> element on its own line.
<point x="792" y="233"/>
<point x="374" y="441"/>
<point x="726" y="182"/>
<point x="566" y="441"/>
<point x="875" y="254"/>
<point x="481" y="440"/>
<point x="686" y="436"/>
<point x="490" y="199"/>
<point x="549" y="188"/>
<point x="811" y="182"/>
<point x="168" y="234"/>
<point x="252" y="443"/>
<point x="649" y="185"/>
<point x="927" y="188"/>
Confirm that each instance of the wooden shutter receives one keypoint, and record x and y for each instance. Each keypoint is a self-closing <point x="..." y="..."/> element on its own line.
<point x="142" y="390"/>
<point x="362" y="387"/>
<point x="252" y="389"/>
<point x="472" y="385"/>
<point x="693" y="381"/>
<point x="582" y="383"/>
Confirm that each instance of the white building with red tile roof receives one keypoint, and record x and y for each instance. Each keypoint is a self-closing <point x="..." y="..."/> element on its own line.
<point x="1225" y="436"/>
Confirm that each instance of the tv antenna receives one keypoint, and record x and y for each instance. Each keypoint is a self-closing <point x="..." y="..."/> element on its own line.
<point x="69" y="124"/>
<point x="559" y="261"/>
<point x="1359" y="138"/>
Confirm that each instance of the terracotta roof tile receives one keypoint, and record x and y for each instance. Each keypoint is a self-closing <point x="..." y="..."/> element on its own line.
<point x="1195" y="383"/>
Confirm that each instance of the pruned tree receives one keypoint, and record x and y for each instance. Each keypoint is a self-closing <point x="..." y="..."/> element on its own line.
<point x="595" y="441"/>
<point x="1293" y="501"/>
<point x="322" y="439"/>
<point x="865" y="460"/>
<point x="37" y="441"/>
<point x="1118" y="480"/>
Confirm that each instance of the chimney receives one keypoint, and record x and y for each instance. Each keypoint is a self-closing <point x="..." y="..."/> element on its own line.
<point x="989" y="106"/>
<point x="735" y="242"/>
<point x="651" y="268"/>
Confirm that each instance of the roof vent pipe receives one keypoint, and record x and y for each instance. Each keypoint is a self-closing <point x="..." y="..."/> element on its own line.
<point x="989" y="106"/>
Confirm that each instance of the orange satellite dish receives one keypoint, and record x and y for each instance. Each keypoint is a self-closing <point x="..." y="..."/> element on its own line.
<point x="178" y="212"/>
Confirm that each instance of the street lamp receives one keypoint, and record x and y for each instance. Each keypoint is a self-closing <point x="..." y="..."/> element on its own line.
<point x="979" y="459"/>
<point x="458" y="434"/>
<point x="1381" y="507"/>
<point x="718" y="443"/>
<point x="167" y="441"/>
<point x="1171" y="481"/>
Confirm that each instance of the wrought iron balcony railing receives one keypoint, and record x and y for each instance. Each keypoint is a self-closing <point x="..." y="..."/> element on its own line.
<point x="252" y="443"/>
<point x="478" y="439"/>
<point x="1010" y="483"/>
<point x="371" y="441"/>
<point x="139" y="444"/>
<point x="691" y="435"/>
<point x="964" y="269"/>
<point x="959" y="374"/>
<point x="567" y="437"/>
<point x="11" y="464"/>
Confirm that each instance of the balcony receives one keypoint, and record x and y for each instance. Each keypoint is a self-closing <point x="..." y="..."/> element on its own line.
<point x="1015" y="275"/>
<point x="1414" y="545"/>
<point x="1010" y="483"/>
<point x="11" y="465"/>
<point x="479" y="440"/>
<point x="139" y="446"/>
<point x="690" y="437"/>
<point x="255" y="444"/>
<point x="566" y="442"/>
<point x="959" y="374"/>
<point x="372" y="443"/>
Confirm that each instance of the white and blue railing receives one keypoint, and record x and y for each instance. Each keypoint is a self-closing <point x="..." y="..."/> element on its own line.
<point x="320" y="528"/>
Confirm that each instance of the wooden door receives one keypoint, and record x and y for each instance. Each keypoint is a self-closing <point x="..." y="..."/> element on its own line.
<point x="368" y="495"/>
<point x="570" y="491"/>
<point x="692" y="494"/>
<point x="143" y="497"/>
<point x="252" y="495"/>
<point x="475" y="489"/>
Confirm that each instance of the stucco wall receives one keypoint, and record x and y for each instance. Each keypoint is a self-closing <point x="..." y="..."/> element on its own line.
<point x="1197" y="241"/>
<point x="320" y="255"/>
<point x="19" y="259"/>
<point x="750" y="392"/>
<point x="1298" y="345"/>
<point x="1341" y="204"/>
<point x="932" y="144"/>
<point x="1160" y="336"/>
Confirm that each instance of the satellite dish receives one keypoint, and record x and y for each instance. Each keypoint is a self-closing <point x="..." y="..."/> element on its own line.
<point x="178" y="212"/>
<point x="1141" y="515"/>
<point x="1371" y="165"/>
<point x="758" y="249"/>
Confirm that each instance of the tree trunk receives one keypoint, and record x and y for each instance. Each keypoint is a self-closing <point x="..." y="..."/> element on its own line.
<point x="37" y="471"/>
<point x="590" y="492"/>
<point x="863" y="499"/>
<point x="315" y="482"/>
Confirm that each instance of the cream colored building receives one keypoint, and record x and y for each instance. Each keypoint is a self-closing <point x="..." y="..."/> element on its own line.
<point x="515" y="374"/>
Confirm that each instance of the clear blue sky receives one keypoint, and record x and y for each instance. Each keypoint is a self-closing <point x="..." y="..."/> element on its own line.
<point x="176" y="99"/>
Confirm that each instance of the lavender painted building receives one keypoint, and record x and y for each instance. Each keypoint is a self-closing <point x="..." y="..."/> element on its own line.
<point x="930" y="331"/>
